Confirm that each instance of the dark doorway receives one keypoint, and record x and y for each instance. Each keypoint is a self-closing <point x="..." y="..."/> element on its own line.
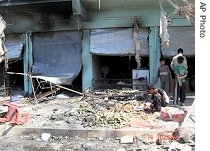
<point x="12" y="80"/>
<point x="112" y="70"/>
<point x="16" y="81"/>
<point x="119" y="67"/>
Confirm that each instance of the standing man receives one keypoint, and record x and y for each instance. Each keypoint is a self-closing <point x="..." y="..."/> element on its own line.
<point x="174" y="60"/>
<point x="173" y="64"/>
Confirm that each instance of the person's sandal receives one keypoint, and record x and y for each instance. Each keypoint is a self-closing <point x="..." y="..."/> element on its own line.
<point x="175" y="102"/>
<point x="182" y="104"/>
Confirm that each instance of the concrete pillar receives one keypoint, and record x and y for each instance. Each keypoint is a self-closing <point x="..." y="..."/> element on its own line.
<point x="154" y="54"/>
<point x="87" y="70"/>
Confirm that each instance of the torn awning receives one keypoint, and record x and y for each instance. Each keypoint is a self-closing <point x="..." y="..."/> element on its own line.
<point x="57" y="56"/>
<point x="14" y="50"/>
<point x="14" y="46"/>
<point x="117" y="41"/>
<point x="180" y="37"/>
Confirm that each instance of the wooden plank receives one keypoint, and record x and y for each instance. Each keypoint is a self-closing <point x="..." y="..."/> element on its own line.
<point x="69" y="89"/>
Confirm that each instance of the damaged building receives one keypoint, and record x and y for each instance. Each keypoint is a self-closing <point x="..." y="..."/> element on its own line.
<point x="92" y="44"/>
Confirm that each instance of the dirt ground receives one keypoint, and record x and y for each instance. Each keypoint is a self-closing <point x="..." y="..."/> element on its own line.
<point x="63" y="111"/>
<point x="34" y="142"/>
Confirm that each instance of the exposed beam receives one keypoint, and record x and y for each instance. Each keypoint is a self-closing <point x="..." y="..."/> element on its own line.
<point x="22" y="23"/>
<point x="79" y="9"/>
<point x="26" y="2"/>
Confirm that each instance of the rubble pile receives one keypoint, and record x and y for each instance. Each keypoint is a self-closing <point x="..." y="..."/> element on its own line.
<point x="106" y="112"/>
<point x="112" y="109"/>
<point x="107" y="109"/>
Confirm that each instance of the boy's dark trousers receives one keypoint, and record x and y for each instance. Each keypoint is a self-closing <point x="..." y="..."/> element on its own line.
<point x="181" y="93"/>
<point x="165" y="86"/>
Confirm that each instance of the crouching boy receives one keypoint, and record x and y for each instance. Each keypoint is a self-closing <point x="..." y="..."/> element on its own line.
<point x="159" y="98"/>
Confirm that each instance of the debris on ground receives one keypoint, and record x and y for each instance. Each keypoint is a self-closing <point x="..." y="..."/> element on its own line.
<point x="54" y="143"/>
<point x="183" y="134"/>
<point x="45" y="136"/>
<point x="178" y="146"/>
<point x="109" y="109"/>
<point x="13" y="115"/>
<point x="172" y="114"/>
<point x="112" y="109"/>
<point x="126" y="139"/>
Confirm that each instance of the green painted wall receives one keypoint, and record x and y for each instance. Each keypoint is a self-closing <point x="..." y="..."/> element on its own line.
<point x="23" y="23"/>
<point x="120" y="18"/>
<point x="29" y="23"/>
<point x="37" y="22"/>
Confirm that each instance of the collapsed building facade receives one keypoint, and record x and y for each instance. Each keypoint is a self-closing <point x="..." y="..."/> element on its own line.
<point x="84" y="42"/>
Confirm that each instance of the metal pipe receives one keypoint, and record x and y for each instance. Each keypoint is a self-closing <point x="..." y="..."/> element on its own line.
<point x="125" y="17"/>
<point x="99" y="4"/>
<point x="174" y="5"/>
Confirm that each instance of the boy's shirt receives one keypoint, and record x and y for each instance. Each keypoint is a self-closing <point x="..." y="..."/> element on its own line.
<point x="164" y="73"/>
<point x="163" y="93"/>
<point x="181" y="71"/>
<point x="174" y="61"/>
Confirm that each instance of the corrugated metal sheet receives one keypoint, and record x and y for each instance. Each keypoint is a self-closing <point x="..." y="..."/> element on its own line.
<point x="180" y="37"/>
<point x="57" y="56"/>
<point x="117" y="41"/>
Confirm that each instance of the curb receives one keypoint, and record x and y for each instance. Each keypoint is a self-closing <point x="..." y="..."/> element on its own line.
<point x="83" y="133"/>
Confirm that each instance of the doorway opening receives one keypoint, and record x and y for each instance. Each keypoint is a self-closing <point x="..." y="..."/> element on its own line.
<point x="115" y="72"/>
<point x="12" y="79"/>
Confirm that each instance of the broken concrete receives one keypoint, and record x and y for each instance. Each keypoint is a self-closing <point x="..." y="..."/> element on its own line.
<point x="183" y="134"/>
<point x="126" y="139"/>
<point x="178" y="146"/>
